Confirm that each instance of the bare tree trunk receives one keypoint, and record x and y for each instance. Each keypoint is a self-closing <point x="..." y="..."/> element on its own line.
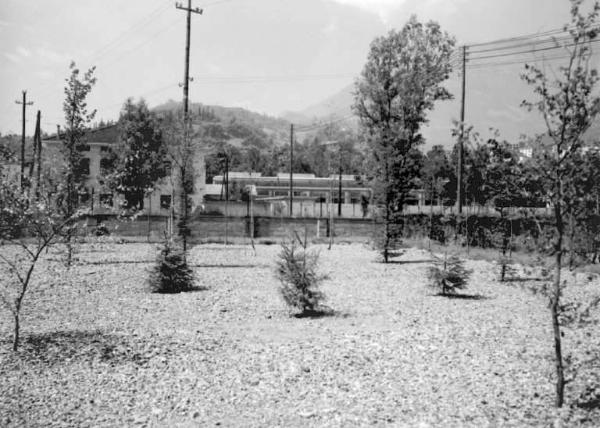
<point x="555" y="309"/>
<point x="386" y="241"/>
<point x="505" y="240"/>
<point x="69" y="249"/>
<point x="16" y="331"/>
<point x="571" y="241"/>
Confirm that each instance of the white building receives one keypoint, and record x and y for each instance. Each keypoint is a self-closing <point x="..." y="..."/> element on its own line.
<point x="98" y="143"/>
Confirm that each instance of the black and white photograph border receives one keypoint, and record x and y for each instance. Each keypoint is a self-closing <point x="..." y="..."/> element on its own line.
<point x="257" y="213"/>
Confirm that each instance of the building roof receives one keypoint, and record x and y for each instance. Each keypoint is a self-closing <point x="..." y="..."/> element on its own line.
<point x="107" y="134"/>
<point x="238" y="174"/>
<point x="286" y="175"/>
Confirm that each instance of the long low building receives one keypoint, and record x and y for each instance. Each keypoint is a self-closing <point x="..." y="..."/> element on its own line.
<point x="306" y="187"/>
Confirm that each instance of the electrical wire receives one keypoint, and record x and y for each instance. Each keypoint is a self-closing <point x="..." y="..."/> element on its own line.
<point x="267" y="79"/>
<point x="214" y="2"/>
<point x="523" y="37"/>
<point x="310" y="128"/>
<point x="553" y="40"/>
<point x="530" y="51"/>
<point x="538" y="42"/>
<point x="106" y="49"/>
<point x="522" y="61"/>
<point x="169" y="26"/>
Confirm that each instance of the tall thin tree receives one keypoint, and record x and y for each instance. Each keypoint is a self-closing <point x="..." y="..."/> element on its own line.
<point x="399" y="84"/>
<point x="568" y="103"/>
<point x="77" y="118"/>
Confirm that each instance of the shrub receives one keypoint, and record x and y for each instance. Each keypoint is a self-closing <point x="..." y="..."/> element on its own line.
<point x="101" y="230"/>
<point x="171" y="273"/>
<point x="297" y="269"/>
<point x="448" y="275"/>
<point x="387" y="241"/>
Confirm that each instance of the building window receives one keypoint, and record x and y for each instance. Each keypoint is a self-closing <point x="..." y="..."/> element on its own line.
<point x="106" y="164"/>
<point x="85" y="166"/>
<point x="165" y="201"/>
<point x="106" y="199"/>
<point x="105" y="149"/>
<point x="83" y="147"/>
<point x="84" y="196"/>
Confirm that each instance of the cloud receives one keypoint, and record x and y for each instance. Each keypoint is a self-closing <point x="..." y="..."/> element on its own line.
<point x="13" y="57"/>
<point x="382" y="8"/>
<point x="52" y="56"/>
<point x="213" y="68"/>
<point x="41" y="54"/>
<point x="386" y="9"/>
<point x="331" y="27"/>
<point x="23" y="52"/>
<point x="44" y="74"/>
<point x="18" y="55"/>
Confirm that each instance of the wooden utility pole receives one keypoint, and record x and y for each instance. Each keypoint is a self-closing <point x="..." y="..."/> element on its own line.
<point x="291" y="169"/>
<point x="25" y="104"/>
<point x="36" y="164"/>
<point x="186" y="125"/>
<point x="226" y="199"/>
<point x="459" y="186"/>
<point x="330" y="213"/>
<point x="186" y="77"/>
<point x="340" y="186"/>
<point x="39" y="148"/>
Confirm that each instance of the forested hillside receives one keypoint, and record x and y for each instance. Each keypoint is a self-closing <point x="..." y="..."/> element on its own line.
<point x="240" y="140"/>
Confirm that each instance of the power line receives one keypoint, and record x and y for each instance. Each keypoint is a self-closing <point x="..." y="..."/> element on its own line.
<point x="530" y="51"/>
<point x="215" y="2"/>
<point x="537" y="42"/>
<point x="323" y="125"/>
<point x="108" y="48"/>
<point x="522" y="37"/>
<point x="169" y="26"/>
<point x="553" y="40"/>
<point x="141" y="23"/>
<point x="485" y="65"/>
<point x="268" y="79"/>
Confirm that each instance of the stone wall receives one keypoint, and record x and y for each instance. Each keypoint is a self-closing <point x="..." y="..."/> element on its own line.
<point x="206" y="228"/>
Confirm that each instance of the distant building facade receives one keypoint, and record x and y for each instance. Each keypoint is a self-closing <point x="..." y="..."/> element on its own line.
<point x="305" y="187"/>
<point x="98" y="197"/>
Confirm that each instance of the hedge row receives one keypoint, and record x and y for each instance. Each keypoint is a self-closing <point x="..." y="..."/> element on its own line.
<point x="526" y="233"/>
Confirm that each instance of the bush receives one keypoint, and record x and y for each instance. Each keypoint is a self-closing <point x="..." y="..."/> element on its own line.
<point x="448" y="275"/>
<point x="171" y="273"/>
<point x="388" y="242"/>
<point x="101" y="230"/>
<point x="297" y="269"/>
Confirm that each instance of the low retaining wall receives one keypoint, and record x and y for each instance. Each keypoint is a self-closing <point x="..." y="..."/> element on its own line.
<point x="481" y="231"/>
<point x="206" y="228"/>
<point x="203" y="228"/>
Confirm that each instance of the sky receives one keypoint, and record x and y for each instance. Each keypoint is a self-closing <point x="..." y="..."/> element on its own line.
<point x="269" y="56"/>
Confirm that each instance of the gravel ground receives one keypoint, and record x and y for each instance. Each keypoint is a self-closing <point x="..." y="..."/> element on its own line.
<point x="100" y="350"/>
